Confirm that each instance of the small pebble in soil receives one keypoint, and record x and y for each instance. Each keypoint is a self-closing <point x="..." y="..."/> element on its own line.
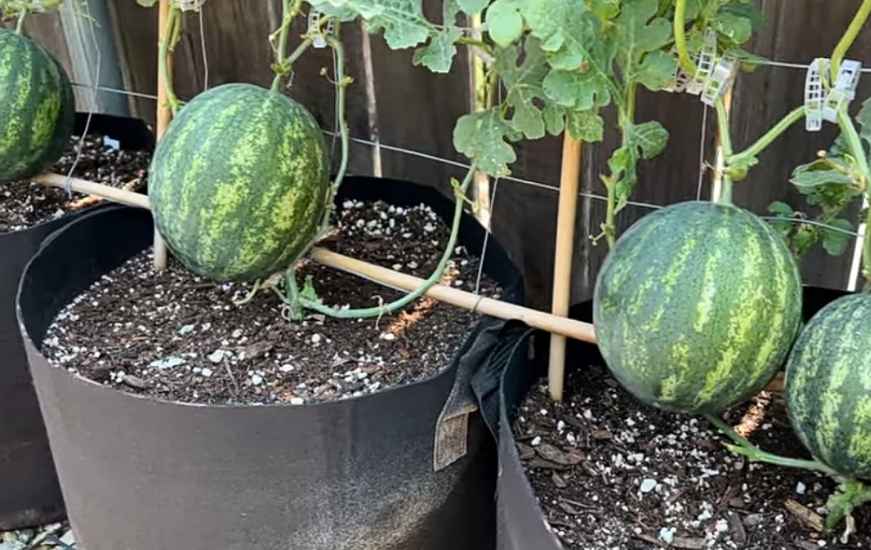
<point x="176" y="336"/>
<point x="650" y="479"/>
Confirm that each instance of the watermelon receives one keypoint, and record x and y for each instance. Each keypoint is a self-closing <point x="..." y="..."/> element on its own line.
<point x="37" y="108"/>
<point x="240" y="183"/>
<point x="697" y="306"/>
<point x="828" y="386"/>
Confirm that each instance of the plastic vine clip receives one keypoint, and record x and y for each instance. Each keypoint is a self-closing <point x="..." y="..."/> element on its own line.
<point x="844" y="89"/>
<point x="707" y="60"/>
<point x="721" y="79"/>
<point x="814" y="94"/>
<point x="319" y="35"/>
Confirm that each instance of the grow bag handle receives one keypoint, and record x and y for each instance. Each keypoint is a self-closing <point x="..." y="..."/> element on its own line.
<point x="452" y="427"/>
<point x="476" y="387"/>
<point x="511" y="348"/>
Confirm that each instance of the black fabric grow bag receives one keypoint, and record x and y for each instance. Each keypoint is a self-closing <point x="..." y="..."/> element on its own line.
<point x="29" y="493"/>
<point x="521" y="524"/>
<point x="142" y="474"/>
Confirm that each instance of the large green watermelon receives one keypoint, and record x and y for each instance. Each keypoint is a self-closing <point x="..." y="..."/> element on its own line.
<point x="239" y="183"/>
<point x="828" y="386"/>
<point x="697" y="306"/>
<point x="37" y="108"/>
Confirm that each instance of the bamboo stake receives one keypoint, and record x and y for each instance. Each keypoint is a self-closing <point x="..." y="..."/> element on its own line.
<point x="113" y="194"/>
<point x="456" y="297"/>
<point x="565" y="243"/>
<point x="569" y="328"/>
<point x="164" y="117"/>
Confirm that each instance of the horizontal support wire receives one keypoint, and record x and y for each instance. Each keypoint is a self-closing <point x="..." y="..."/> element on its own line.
<point x="531" y="183"/>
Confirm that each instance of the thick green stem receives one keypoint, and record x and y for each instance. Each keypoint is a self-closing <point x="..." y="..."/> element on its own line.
<point x="726" y="145"/>
<point x="849" y="37"/>
<point x="626" y="119"/>
<point x="857" y="150"/>
<point x="744" y="447"/>
<point x="433" y="279"/>
<point x="282" y="62"/>
<point x="768" y="138"/>
<point x="173" y="30"/>
<point x="680" y="38"/>
<point x="341" y="95"/>
<point x="19" y="27"/>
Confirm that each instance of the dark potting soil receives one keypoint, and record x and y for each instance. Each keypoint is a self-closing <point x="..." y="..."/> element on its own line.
<point x="611" y="473"/>
<point x="24" y="204"/>
<point x="180" y="337"/>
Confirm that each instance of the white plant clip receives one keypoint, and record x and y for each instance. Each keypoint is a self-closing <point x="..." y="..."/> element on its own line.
<point x="814" y="97"/>
<point x="319" y="36"/>
<point x="705" y="64"/>
<point x="190" y="5"/>
<point x="844" y="89"/>
<point x="720" y="80"/>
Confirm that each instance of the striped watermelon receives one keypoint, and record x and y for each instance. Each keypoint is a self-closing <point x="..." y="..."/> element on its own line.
<point x="697" y="306"/>
<point x="828" y="386"/>
<point x="240" y="182"/>
<point x="37" y="108"/>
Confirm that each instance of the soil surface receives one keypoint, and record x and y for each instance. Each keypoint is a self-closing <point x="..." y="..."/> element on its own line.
<point x="24" y="204"/>
<point x="611" y="473"/>
<point x="180" y="337"/>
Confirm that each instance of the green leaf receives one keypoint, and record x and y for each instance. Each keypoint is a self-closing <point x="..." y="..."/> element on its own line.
<point x="640" y="37"/>
<point x="571" y="34"/>
<point x="585" y="126"/>
<point x="577" y="89"/>
<point x="781" y="209"/>
<point x="808" y="180"/>
<point x="402" y="21"/>
<point x="523" y="86"/>
<point x="605" y="9"/>
<point x="481" y="137"/>
<point x="472" y="6"/>
<point x="504" y="22"/>
<point x="736" y="28"/>
<point x="438" y="55"/>
<point x="554" y="118"/>
<point x="656" y="70"/>
<point x="836" y="242"/>
<point x="650" y="137"/>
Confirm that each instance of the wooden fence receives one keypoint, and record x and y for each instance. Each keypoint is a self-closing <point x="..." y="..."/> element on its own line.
<point x="397" y="104"/>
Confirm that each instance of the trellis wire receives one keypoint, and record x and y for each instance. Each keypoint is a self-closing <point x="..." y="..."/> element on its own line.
<point x="546" y="186"/>
<point x="203" y="46"/>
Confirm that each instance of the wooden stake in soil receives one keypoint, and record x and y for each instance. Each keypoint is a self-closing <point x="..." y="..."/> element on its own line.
<point x="164" y="117"/>
<point x="562" y="272"/>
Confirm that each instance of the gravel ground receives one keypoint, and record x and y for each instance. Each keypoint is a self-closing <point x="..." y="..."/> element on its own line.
<point x="56" y="536"/>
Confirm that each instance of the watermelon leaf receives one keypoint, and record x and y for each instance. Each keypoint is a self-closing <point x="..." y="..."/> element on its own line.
<point x="504" y="22"/>
<point x="586" y="126"/>
<point x="523" y="85"/>
<point x="438" y="55"/>
<point x="640" y="32"/>
<point x="835" y="242"/>
<point x="482" y="137"/>
<point x="650" y="137"/>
